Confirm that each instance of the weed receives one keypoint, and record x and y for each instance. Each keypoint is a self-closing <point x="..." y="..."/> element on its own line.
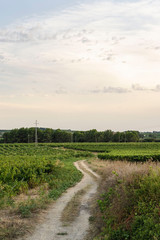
<point x="72" y="209"/>
<point x="62" y="233"/>
<point x="129" y="207"/>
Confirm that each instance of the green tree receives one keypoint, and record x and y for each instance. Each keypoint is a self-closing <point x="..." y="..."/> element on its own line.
<point x="61" y="136"/>
<point x="131" y="136"/>
<point x="79" y="136"/>
<point x="108" y="136"/>
<point x="117" y="137"/>
<point x="47" y="135"/>
<point x="91" y="135"/>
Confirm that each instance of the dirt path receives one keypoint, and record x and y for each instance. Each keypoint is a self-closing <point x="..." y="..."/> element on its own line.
<point x="57" y="224"/>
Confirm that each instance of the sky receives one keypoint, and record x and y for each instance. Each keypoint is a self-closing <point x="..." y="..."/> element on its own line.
<point x="80" y="64"/>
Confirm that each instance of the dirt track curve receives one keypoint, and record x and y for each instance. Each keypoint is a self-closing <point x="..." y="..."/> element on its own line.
<point x="53" y="226"/>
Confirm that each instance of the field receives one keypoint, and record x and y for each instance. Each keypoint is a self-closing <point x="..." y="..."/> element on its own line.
<point x="121" y="151"/>
<point x="24" y="166"/>
<point x="30" y="177"/>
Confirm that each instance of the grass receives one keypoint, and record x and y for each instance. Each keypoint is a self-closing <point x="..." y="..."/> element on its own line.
<point x="129" y="193"/>
<point x="120" y="151"/>
<point x="115" y="147"/>
<point x="88" y="171"/>
<point x="62" y="233"/>
<point x="31" y="179"/>
<point x="129" y="202"/>
<point x="72" y="209"/>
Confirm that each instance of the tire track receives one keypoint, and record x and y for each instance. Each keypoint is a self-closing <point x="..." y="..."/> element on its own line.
<point x="53" y="227"/>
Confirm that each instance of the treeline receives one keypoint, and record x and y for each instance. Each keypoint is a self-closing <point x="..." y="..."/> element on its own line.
<point x="27" y="135"/>
<point x="48" y="135"/>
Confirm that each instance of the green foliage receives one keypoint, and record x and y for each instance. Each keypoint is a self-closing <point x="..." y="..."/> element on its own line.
<point x="26" y="208"/>
<point x="139" y="152"/>
<point x="139" y="217"/>
<point x="24" y="166"/>
<point x="24" y="135"/>
<point x="48" y="135"/>
<point x="130" y="157"/>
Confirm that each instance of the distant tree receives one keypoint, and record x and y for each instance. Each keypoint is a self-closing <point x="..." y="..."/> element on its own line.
<point x="47" y="135"/>
<point x="31" y="135"/>
<point x="108" y="135"/>
<point x="11" y="136"/>
<point x="117" y="137"/>
<point x="78" y="136"/>
<point x="91" y="135"/>
<point x="61" y="136"/>
<point x="132" y="136"/>
<point x="22" y="135"/>
<point x="100" y="136"/>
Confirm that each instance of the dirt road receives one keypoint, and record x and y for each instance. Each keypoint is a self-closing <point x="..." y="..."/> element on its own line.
<point x="68" y="218"/>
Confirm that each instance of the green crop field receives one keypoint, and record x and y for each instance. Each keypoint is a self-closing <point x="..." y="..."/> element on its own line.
<point x="24" y="166"/>
<point x="120" y="151"/>
<point x="48" y="169"/>
<point x="30" y="178"/>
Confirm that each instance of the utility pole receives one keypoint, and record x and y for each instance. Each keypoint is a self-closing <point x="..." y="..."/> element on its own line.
<point x="36" y="136"/>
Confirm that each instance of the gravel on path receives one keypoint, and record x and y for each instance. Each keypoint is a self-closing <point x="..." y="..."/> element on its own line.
<point x="52" y="228"/>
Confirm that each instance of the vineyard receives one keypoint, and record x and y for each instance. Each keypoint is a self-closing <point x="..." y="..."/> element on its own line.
<point x="24" y="166"/>
<point x="120" y="151"/>
<point x="47" y="170"/>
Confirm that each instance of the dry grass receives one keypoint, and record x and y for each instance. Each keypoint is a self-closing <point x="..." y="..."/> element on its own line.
<point x="111" y="173"/>
<point x="120" y="168"/>
<point x="12" y="225"/>
<point x="31" y="193"/>
<point x="87" y="171"/>
<point x="72" y="209"/>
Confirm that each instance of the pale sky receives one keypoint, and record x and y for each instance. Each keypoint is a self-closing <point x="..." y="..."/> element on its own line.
<point x="80" y="64"/>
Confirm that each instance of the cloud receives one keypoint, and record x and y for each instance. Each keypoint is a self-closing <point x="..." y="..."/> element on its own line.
<point x="110" y="89"/>
<point x="83" y="47"/>
<point x="157" y="88"/>
<point x="73" y="61"/>
<point x="121" y="90"/>
<point x="85" y="40"/>
<point x="100" y="16"/>
<point x="1" y="57"/>
<point x="61" y="91"/>
<point x="137" y="87"/>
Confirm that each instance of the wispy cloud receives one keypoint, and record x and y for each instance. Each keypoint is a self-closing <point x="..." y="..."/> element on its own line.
<point x="104" y="49"/>
<point x="156" y="89"/>
<point x="137" y="87"/>
<point x="111" y="90"/>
